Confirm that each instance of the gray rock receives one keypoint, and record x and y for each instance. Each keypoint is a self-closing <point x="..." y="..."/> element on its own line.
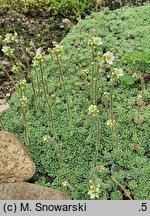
<point x="16" y="163"/>
<point x="27" y="191"/>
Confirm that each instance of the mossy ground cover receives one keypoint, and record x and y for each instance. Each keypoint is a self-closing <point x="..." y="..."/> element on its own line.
<point x="122" y="171"/>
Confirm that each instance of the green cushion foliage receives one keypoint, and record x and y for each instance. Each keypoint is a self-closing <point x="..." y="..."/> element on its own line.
<point x="125" y="32"/>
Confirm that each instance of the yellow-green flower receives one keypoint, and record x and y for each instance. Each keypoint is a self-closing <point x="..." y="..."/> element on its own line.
<point x="97" y="41"/>
<point x="118" y="72"/>
<point x="109" y="57"/>
<point x="93" y="110"/>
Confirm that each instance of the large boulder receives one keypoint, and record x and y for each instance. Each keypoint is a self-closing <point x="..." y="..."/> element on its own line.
<point x="16" y="163"/>
<point x="28" y="191"/>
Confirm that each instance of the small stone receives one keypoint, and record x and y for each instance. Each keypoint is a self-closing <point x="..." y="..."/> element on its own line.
<point x="62" y="26"/>
<point x="15" y="160"/>
<point x="115" y="168"/>
<point x="8" y="94"/>
<point x="28" y="191"/>
<point x="3" y="106"/>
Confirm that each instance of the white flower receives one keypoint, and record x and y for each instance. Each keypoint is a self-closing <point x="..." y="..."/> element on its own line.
<point x="23" y="82"/>
<point x="46" y="138"/>
<point x="106" y="94"/>
<point x="64" y="184"/>
<point x="94" y="189"/>
<point x="93" y="110"/>
<point x="97" y="41"/>
<point x="58" y="48"/>
<point x="109" y="57"/>
<point x="139" y="96"/>
<point x="135" y="75"/>
<point x="93" y="195"/>
<point x="31" y="44"/>
<point x="110" y="122"/>
<point x="118" y="72"/>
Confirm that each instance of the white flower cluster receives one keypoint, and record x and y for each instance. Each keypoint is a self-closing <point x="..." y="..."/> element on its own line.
<point x="57" y="49"/>
<point x="22" y="85"/>
<point x="9" y="38"/>
<point x="94" y="189"/>
<point x="38" y="58"/>
<point x="23" y="101"/>
<point x="8" y="51"/>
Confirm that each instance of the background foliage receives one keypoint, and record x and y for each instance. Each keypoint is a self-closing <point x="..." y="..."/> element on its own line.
<point x="64" y="8"/>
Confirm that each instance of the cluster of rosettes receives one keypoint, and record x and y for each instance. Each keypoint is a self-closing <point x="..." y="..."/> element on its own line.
<point x="10" y="38"/>
<point x="94" y="189"/>
<point x="8" y="51"/>
<point x="23" y="101"/>
<point x="93" y="110"/>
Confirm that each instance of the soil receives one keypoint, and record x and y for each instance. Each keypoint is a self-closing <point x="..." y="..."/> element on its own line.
<point x="42" y="30"/>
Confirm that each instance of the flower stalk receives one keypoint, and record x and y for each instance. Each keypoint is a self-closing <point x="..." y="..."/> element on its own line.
<point x="48" y="101"/>
<point x="64" y="88"/>
<point x="24" y="109"/>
